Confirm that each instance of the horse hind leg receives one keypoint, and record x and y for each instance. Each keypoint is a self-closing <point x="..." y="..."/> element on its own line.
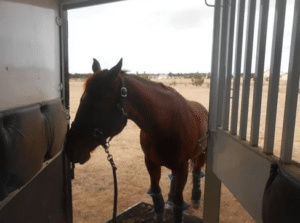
<point x="197" y="175"/>
<point x="170" y="201"/>
<point x="171" y="191"/>
<point x="155" y="191"/>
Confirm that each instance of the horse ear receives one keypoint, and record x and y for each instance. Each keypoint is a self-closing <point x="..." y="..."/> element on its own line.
<point x="114" y="71"/>
<point x="96" y="66"/>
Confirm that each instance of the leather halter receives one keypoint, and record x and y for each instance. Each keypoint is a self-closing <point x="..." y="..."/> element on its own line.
<point x="97" y="132"/>
<point x="123" y="96"/>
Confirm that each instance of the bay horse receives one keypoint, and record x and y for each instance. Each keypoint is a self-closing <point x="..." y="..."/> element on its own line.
<point x="173" y="130"/>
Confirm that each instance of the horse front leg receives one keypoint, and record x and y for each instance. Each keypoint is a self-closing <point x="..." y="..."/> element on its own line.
<point x="155" y="191"/>
<point x="197" y="175"/>
<point x="181" y="175"/>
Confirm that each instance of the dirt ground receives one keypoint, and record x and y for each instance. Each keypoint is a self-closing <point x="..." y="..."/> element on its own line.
<point x="93" y="183"/>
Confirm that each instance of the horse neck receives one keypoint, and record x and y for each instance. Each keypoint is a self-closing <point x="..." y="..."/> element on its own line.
<point x="142" y="105"/>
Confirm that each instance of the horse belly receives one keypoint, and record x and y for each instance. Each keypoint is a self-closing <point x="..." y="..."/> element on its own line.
<point x="161" y="153"/>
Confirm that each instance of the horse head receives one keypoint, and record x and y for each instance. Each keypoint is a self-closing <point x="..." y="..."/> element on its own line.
<point x="100" y="115"/>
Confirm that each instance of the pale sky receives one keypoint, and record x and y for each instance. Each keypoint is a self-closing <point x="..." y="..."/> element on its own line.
<point x="153" y="36"/>
<point x="159" y="36"/>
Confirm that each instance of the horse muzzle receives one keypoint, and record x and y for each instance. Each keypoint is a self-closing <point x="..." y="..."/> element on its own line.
<point x="84" y="158"/>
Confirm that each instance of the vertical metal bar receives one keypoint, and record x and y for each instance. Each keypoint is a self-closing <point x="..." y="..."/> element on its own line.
<point x="65" y="69"/>
<point x="237" y="68"/>
<point x="222" y="59"/>
<point x="63" y="93"/>
<point x="292" y="90"/>
<point x="65" y="57"/>
<point x="213" y="96"/>
<point x="212" y="183"/>
<point x="228" y="76"/>
<point x="247" y="70"/>
<point x="68" y="171"/>
<point x="274" y="75"/>
<point x="259" y="70"/>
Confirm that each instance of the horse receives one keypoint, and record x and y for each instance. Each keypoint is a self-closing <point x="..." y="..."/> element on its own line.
<point x="173" y="130"/>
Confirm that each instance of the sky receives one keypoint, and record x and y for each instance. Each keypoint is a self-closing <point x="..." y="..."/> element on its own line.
<point x="154" y="36"/>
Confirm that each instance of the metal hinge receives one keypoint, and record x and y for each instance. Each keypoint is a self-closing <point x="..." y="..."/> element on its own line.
<point x="61" y="87"/>
<point x="58" y="21"/>
<point x="209" y="5"/>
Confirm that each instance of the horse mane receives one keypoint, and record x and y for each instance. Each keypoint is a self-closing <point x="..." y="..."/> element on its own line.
<point x="88" y="81"/>
<point x="141" y="79"/>
<point x="93" y="76"/>
<point x="153" y="83"/>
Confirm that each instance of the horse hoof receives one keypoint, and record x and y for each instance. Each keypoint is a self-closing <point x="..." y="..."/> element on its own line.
<point x="185" y="206"/>
<point x="168" y="206"/>
<point x="196" y="204"/>
<point x="159" y="217"/>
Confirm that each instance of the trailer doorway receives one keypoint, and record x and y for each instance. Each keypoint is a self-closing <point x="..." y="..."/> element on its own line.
<point x="100" y="156"/>
<point x="132" y="188"/>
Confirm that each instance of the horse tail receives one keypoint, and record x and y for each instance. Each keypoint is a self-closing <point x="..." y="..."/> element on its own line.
<point x="192" y="163"/>
<point x="197" y="162"/>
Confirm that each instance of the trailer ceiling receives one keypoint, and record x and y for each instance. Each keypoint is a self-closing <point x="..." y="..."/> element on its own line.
<point x="72" y="4"/>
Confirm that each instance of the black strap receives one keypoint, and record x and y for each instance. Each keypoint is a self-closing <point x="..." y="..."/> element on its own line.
<point x="123" y="94"/>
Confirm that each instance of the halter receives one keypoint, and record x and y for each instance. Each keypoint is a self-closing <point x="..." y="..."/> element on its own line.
<point x="97" y="132"/>
<point x="123" y="97"/>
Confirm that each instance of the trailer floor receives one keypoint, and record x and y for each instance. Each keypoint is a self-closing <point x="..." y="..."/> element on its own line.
<point x="142" y="212"/>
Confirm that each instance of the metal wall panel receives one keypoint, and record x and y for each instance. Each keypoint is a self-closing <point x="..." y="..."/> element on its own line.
<point x="30" y="52"/>
<point x="39" y="201"/>
<point x="243" y="170"/>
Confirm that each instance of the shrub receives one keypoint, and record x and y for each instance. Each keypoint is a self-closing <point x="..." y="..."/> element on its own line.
<point x="197" y="79"/>
<point x="173" y="83"/>
<point x="145" y="76"/>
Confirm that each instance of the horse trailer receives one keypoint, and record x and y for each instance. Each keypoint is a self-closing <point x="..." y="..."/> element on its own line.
<point x="35" y="175"/>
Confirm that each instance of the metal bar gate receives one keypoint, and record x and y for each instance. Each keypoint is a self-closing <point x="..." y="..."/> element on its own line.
<point x="242" y="134"/>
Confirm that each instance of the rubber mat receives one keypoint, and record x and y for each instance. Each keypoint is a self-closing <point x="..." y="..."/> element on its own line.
<point x="143" y="212"/>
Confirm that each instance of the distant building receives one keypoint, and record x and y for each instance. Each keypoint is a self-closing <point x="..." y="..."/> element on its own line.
<point x="283" y="75"/>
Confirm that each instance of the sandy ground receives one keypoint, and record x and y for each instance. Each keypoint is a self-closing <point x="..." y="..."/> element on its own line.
<point x="93" y="183"/>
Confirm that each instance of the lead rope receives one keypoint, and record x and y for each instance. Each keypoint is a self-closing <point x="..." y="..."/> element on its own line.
<point x="201" y="140"/>
<point x="114" y="168"/>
